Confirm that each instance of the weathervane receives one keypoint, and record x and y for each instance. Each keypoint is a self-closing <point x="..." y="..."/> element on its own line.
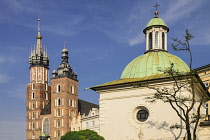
<point x="156" y="12"/>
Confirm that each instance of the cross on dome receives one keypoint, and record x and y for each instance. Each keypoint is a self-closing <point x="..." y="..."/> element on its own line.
<point x="156" y="12"/>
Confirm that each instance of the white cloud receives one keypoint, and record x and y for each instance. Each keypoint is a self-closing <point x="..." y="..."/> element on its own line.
<point x="136" y="40"/>
<point x="181" y="9"/>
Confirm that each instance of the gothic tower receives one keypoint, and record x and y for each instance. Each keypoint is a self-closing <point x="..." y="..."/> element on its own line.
<point x="38" y="90"/>
<point x="64" y="97"/>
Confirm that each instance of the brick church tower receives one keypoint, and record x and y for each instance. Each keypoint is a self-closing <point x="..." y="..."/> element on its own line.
<point x="38" y="90"/>
<point x="64" y="97"/>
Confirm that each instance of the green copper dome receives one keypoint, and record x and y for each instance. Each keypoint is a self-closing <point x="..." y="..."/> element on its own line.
<point x="156" y="21"/>
<point x="148" y="64"/>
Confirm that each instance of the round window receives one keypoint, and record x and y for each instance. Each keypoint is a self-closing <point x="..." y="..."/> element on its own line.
<point x="142" y="115"/>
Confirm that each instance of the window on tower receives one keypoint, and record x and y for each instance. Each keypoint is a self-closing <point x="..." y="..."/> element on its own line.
<point x="46" y="96"/>
<point x="156" y="39"/>
<point x="58" y="88"/>
<point x="59" y="133"/>
<point x="150" y="40"/>
<point x="33" y="115"/>
<point x="58" y="123"/>
<point x="59" y="113"/>
<point x="72" y="89"/>
<point x="33" y="125"/>
<point x="59" y="102"/>
<point x="33" y="105"/>
<point x="163" y="40"/>
<point x="33" y="86"/>
<point x="32" y="95"/>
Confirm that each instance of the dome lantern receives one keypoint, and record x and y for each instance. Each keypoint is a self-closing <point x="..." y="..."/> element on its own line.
<point x="156" y="34"/>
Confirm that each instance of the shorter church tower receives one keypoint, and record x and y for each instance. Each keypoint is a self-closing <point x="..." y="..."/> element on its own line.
<point x="38" y="90"/>
<point x="64" y="101"/>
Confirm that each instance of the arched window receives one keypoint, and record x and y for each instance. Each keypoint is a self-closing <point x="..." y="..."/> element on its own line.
<point x="163" y="40"/>
<point x="59" y="102"/>
<point x="33" y="115"/>
<point x="156" y="39"/>
<point x="33" y="125"/>
<point x="32" y="95"/>
<point x="59" y="134"/>
<point x="59" y="123"/>
<point x="46" y="96"/>
<point x="46" y="126"/>
<point x="33" y="105"/>
<point x="58" y="88"/>
<point x="33" y="87"/>
<point x="59" y="112"/>
<point x="150" y="40"/>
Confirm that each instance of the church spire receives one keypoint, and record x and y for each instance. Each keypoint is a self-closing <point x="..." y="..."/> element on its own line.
<point x="39" y="41"/>
<point x="38" y="57"/>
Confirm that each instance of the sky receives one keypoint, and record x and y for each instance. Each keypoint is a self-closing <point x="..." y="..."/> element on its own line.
<point x="102" y="37"/>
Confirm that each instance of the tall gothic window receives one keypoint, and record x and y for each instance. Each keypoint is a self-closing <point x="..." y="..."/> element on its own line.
<point x="33" y="87"/>
<point x="150" y="40"/>
<point x="58" y="88"/>
<point x="32" y="95"/>
<point x="59" y="134"/>
<point x="33" y="105"/>
<point x="163" y="40"/>
<point x="59" y="123"/>
<point x="59" y="102"/>
<point x="156" y="39"/>
<point x="46" y="126"/>
<point x="33" y="125"/>
<point x="59" y="112"/>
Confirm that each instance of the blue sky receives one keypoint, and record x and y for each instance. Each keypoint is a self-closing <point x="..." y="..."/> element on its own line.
<point x="102" y="37"/>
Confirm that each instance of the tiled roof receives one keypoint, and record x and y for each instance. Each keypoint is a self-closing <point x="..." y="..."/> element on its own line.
<point x="85" y="107"/>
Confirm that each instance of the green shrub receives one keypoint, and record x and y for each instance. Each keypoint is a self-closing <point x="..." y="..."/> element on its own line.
<point x="82" y="135"/>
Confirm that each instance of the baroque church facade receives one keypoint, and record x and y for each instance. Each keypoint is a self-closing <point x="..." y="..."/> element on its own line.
<point x="50" y="109"/>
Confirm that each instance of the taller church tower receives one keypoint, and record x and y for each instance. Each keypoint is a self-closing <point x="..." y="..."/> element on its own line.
<point x="38" y="90"/>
